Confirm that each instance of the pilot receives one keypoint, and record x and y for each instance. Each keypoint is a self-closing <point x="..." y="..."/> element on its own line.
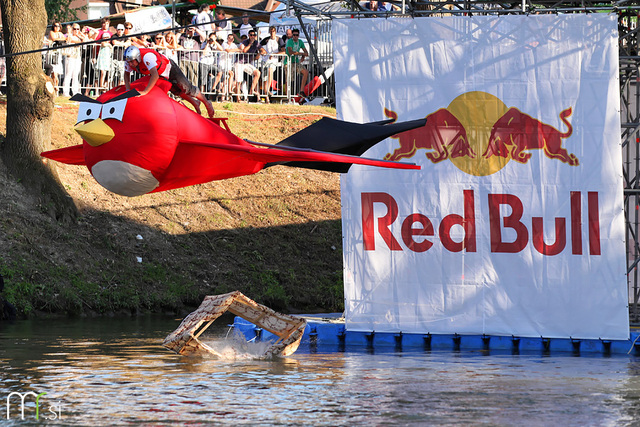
<point x="156" y="65"/>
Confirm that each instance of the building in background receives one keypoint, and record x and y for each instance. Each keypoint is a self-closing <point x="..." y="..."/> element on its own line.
<point x="99" y="9"/>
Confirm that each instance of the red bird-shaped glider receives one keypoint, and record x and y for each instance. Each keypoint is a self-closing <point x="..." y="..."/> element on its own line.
<point x="135" y="145"/>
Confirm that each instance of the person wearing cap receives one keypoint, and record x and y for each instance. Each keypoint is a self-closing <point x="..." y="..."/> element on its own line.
<point x="119" y="30"/>
<point x="156" y="65"/>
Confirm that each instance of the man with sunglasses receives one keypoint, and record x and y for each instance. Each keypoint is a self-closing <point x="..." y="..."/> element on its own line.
<point x="128" y="30"/>
<point x="296" y="53"/>
<point x="251" y="50"/>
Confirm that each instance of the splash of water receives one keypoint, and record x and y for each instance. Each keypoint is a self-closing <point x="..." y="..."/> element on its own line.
<point x="235" y="346"/>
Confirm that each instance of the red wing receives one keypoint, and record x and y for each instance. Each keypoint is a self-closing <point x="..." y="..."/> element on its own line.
<point x="73" y="155"/>
<point x="267" y="153"/>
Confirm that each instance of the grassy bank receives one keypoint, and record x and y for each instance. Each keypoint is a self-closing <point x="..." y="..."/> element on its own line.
<point x="275" y="236"/>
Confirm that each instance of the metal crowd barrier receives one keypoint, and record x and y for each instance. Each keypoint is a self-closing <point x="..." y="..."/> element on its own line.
<point x="215" y="73"/>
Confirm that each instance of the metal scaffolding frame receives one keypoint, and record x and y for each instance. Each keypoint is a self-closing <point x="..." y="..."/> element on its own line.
<point x="629" y="61"/>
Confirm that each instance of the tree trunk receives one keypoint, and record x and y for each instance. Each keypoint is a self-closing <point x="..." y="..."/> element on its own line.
<point x="30" y="95"/>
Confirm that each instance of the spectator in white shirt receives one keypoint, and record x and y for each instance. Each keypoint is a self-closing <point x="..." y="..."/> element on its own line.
<point x="223" y="26"/>
<point x="204" y="19"/>
<point x="246" y="26"/>
<point x="272" y="45"/>
<point x="226" y="64"/>
<point x="209" y="64"/>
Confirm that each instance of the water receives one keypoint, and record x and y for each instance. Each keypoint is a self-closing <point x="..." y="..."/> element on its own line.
<point x="115" y="372"/>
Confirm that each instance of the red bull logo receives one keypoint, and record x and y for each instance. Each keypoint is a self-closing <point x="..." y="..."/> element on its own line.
<point x="478" y="122"/>
<point x="515" y="133"/>
<point x="480" y="135"/>
<point x="443" y="133"/>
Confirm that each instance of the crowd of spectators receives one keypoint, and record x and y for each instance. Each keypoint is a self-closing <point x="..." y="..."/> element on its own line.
<point x="226" y="61"/>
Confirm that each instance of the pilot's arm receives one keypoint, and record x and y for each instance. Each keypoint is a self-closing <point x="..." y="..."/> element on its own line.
<point x="153" y="79"/>
<point x="127" y="80"/>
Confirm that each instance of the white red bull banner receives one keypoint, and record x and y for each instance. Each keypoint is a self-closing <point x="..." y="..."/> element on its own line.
<point x="515" y="223"/>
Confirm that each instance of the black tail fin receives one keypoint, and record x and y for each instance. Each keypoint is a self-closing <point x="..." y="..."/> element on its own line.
<point x="337" y="136"/>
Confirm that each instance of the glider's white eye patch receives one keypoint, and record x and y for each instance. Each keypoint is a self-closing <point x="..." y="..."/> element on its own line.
<point x="88" y="111"/>
<point x="114" y="109"/>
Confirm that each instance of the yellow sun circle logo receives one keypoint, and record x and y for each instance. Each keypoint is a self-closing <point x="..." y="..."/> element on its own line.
<point x="478" y="112"/>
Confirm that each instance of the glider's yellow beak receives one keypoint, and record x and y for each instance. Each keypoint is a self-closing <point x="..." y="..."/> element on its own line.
<point x="96" y="132"/>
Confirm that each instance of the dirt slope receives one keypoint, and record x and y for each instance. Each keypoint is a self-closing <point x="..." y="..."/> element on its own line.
<point x="276" y="235"/>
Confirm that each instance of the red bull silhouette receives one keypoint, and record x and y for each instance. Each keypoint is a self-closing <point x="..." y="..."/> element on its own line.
<point x="515" y="133"/>
<point x="443" y="133"/>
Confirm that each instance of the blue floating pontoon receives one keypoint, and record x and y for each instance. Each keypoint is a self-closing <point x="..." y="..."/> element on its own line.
<point x="328" y="330"/>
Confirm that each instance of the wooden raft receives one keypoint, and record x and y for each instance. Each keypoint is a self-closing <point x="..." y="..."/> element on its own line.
<point x="289" y="329"/>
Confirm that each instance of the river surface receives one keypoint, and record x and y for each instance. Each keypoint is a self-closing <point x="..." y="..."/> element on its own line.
<point x="115" y="372"/>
